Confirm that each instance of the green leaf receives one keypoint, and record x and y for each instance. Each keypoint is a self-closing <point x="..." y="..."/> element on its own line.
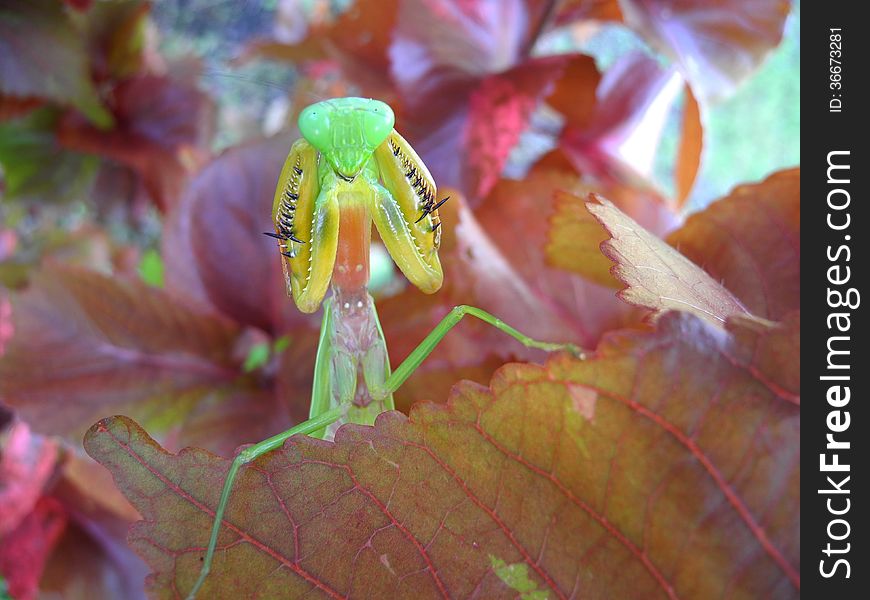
<point x="36" y="167"/>
<point x="257" y="357"/>
<point x="667" y="466"/>
<point x="281" y="344"/>
<point x="151" y="268"/>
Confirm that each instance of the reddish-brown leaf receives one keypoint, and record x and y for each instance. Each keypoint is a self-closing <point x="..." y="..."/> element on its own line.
<point x="358" y="40"/>
<point x="517" y="216"/>
<point x="657" y="469"/>
<point x="479" y="273"/>
<point x="467" y="85"/>
<point x="750" y="241"/>
<point x="85" y="344"/>
<point x="574" y="93"/>
<point x="87" y="563"/>
<point x="596" y="10"/>
<point x="12" y="107"/>
<point x="716" y="44"/>
<point x="658" y="276"/>
<point x="79" y="4"/>
<point x="37" y="38"/>
<point x="772" y="353"/>
<point x="163" y="130"/>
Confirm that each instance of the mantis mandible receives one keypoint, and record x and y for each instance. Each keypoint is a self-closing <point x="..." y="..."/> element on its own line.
<point x="349" y="169"/>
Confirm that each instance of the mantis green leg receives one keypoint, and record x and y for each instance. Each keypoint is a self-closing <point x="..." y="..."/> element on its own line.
<point x="320" y="389"/>
<point x="244" y="457"/>
<point x="419" y="354"/>
<point x="322" y="416"/>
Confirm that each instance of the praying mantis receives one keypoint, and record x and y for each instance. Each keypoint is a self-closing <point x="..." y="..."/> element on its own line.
<point x="350" y="169"/>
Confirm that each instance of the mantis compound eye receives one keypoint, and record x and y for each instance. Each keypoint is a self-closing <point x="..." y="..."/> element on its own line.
<point x="346" y="131"/>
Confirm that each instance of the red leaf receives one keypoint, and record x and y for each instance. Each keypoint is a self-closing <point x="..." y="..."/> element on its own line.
<point x="164" y="127"/>
<point x="657" y="469"/>
<point x="215" y="251"/>
<point x="85" y="345"/>
<point x="476" y="272"/>
<point x="439" y="39"/>
<point x="574" y="93"/>
<point x="79" y="4"/>
<point x="26" y="463"/>
<point x="358" y="40"/>
<point x="517" y="215"/>
<point x="12" y="107"/>
<point x="467" y="85"/>
<point x="750" y="241"/>
<point x="23" y="552"/>
<point x="716" y="44"/>
<point x="499" y="111"/>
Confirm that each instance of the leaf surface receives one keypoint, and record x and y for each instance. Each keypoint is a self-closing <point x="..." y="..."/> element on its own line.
<point x="690" y="148"/>
<point x="658" y="276"/>
<point x="85" y="344"/>
<point x="517" y="216"/>
<point x="750" y="241"/>
<point x="468" y="85"/>
<point x="601" y="478"/>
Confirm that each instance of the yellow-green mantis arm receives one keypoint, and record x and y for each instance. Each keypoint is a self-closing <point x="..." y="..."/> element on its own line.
<point x="352" y="169"/>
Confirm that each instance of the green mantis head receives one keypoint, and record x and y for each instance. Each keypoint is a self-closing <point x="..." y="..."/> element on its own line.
<point x="351" y="158"/>
<point x="346" y="131"/>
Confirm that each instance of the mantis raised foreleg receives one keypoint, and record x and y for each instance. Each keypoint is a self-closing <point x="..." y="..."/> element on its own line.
<point x="351" y="168"/>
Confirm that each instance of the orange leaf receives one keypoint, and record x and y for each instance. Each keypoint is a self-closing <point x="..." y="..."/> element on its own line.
<point x="575" y="240"/>
<point x="691" y="145"/>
